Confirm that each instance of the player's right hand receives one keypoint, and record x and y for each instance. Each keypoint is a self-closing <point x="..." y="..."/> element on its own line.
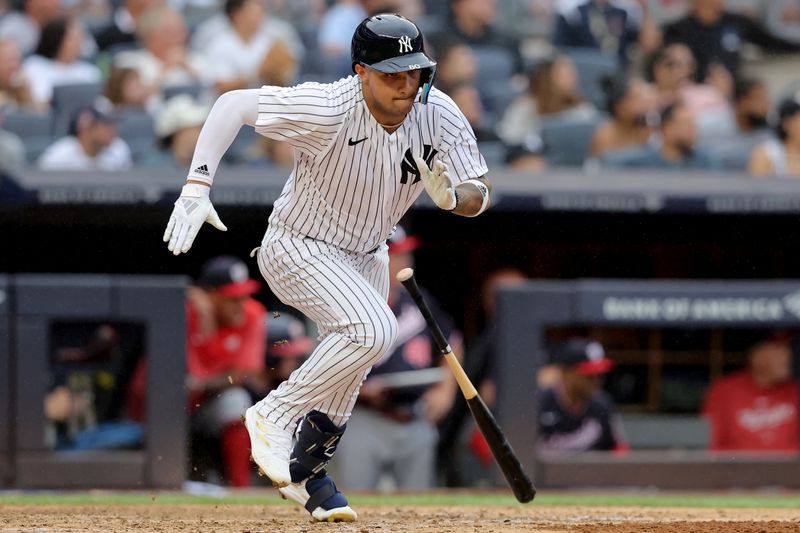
<point x="192" y="208"/>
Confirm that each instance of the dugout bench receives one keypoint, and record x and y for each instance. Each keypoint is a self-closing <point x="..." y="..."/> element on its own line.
<point x="33" y="305"/>
<point x="524" y="315"/>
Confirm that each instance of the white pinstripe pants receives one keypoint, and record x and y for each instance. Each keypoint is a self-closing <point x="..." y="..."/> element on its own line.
<point x="345" y="294"/>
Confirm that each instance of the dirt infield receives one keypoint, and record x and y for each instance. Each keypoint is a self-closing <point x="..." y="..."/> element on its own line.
<point x="285" y="518"/>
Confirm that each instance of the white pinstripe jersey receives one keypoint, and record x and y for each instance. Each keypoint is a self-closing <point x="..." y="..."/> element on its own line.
<point x="352" y="181"/>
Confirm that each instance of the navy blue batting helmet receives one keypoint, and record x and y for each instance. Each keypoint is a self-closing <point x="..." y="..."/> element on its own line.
<point x="390" y="43"/>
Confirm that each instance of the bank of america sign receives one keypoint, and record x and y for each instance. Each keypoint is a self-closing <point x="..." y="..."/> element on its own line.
<point x="717" y="309"/>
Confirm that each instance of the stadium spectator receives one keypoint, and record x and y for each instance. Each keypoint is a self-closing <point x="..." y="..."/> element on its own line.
<point x="634" y="113"/>
<point x="468" y="100"/>
<point x="519" y="157"/>
<point x="165" y="60"/>
<point x="455" y="64"/>
<point x="23" y="26"/>
<point x="15" y="90"/>
<point x="606" y="25"/>
<point x="472" y="21"/>
<point x="91" y="144"/>
<point x="780" y="157"/>
<point x="672" y="69"/>
<point x="56" y="60"/>
<point x="752" y="107"/>
<point x="552" y="90"/>
<point x="715" y="36"/>
<point x="242" y="56"/>
<point x="393" y="427"/>
<point x="756" y="409"/>
<point x="125" y="90"/>
<point x="576" y="415"/>
<point x="177" y="125"/>
<point x="12" y="152"/>
<point x="676" y="149"/>
<point x="226" y="346"/>
<point x="278" y="31"/>
<point x="121" y="30"/>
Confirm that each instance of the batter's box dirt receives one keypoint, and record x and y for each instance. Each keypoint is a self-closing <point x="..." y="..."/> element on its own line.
<point x="284" y="518"/>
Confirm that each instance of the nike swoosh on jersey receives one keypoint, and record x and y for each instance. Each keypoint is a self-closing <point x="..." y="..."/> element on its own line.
<point x="351" y="142"/>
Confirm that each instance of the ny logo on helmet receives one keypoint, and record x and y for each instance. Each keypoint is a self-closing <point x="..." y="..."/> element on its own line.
<point x="405" y="44"/>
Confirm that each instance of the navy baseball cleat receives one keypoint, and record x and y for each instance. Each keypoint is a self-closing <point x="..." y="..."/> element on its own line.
<point x="319" y="495"/>
<point x="311" y="486"/>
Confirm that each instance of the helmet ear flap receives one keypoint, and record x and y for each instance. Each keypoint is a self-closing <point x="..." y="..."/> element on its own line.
<point x="425" y="83"/>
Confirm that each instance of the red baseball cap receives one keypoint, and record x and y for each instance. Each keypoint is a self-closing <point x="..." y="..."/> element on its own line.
<point x="228" y="275"/>
<point x="587" y="357"/>
<point x="400" y="242"/>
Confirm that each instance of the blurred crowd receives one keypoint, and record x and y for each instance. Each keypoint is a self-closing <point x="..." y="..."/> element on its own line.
<point x="113" y="84"/>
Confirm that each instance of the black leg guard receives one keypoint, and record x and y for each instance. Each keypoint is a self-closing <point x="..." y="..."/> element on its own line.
<point x="317" y="439"/>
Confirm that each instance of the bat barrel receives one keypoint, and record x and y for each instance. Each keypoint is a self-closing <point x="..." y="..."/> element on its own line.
<point x="406" y="277"/>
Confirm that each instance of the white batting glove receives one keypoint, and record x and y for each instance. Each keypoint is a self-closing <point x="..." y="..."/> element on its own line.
<point x="192" y="208"/>
<point x="437" y="182"/>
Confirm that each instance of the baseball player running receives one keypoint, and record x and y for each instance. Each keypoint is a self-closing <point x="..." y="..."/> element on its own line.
<point x="365" y="147"/>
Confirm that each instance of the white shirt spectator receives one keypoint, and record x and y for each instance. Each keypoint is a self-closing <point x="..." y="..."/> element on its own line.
<point x="206" y="33"/>
<point x="231" y="58"/>
<point x="44" y="74"/>
<point x="67" y="154"/>
<point x="151" y="69"/>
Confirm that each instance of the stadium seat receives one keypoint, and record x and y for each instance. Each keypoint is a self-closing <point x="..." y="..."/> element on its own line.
<point x="566" y="139"/>
<point x="495" y="68"/>
<point x="34" y="129"/>
<point x="67" y="99"/>
<point x="592" y="66"/>
<point x="494" y="152"/>
<point x="136" y="129"/>
<point x="192" y="89"/>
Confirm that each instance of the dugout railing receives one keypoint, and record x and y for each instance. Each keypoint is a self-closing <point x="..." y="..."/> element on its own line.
<point x="42" y="304"/>
<point x="525" y="314"/>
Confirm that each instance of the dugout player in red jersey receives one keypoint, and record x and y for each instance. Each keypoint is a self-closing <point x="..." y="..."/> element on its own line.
<point x="225" y="348"/>
<point x="756" y="409"/>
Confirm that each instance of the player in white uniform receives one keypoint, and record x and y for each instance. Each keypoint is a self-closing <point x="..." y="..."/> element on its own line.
<point x="365" y="147"/>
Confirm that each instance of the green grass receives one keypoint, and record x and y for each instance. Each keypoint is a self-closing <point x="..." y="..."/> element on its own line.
<point x="439" y="499"/>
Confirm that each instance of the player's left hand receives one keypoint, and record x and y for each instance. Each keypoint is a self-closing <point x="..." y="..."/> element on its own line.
<point x="438" y="184"/>
<point x="190" y="211"/>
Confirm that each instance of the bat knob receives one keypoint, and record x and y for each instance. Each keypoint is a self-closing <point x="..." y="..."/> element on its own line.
<point x="405" y="275"/>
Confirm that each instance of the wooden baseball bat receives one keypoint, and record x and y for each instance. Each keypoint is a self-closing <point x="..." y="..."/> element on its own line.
<point x="519" y="481"/>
